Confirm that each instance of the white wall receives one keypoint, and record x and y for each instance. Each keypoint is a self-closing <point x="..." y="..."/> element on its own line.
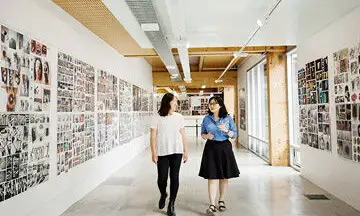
<point x="242" y="83"/>
<point x="338" y="176"/>
<point x="229" y="102"/>
<point x="49" y="24"/>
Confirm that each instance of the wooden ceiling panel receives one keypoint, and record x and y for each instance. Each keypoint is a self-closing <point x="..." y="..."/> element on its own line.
<point x="216" y="62"/>
<point x="95" y="16"/>
<point x="198" y="79"/>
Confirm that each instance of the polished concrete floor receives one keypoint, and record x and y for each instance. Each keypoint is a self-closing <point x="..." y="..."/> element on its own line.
<point x="261" y="190"/>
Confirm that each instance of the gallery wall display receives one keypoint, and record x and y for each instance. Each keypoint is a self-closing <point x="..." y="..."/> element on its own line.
<point x="108" y="136"/>
<point x="25" y="90"/>
<point x="347" y="99"/>
<point x="125" y="130"/>
<point x="107" y="92"/>
<point x="242" y="98"/>
<point x="76" y="116"/>
<point x="314" y="113"/>
<point x="126" y="96"/>
<point x="136" y="98"/>
<point x="95" y="112"/>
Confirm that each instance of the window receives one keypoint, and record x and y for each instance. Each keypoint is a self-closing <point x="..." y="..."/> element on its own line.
<point x="295" y="161"/>
<point x="258" y="110"/>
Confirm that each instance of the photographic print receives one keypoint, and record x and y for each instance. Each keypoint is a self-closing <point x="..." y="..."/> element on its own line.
<point x="136" y="98"/>
<point x="24" y="136"/>
<point x="14" y="133"/>
<point x="313" y="92"/>
<point x="65" y="87"/>
<point x="125" y="131"/>
<point x="125" y="96"/>
<point x="108" y="135"/>
<point x="107" y="92"/>
<point x="64" y="142"/>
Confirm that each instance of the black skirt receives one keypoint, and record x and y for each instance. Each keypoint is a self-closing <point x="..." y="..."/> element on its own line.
<point x="218" y="161"/>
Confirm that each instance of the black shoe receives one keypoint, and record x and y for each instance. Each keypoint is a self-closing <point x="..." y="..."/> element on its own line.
<point x="171" y="208"/>
<point x="162" y="201"/>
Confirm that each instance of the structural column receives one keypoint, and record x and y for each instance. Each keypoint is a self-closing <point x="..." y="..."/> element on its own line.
<point x="277" y="109"/>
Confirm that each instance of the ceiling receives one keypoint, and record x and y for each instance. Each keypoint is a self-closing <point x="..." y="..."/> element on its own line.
<point x="214" y="23"/>
<point x="214" y="29"/>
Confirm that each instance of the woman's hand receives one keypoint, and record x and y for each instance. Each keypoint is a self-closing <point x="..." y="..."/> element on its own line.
<point x="185" y="156"/>
<point x="223" y="128"/>
<point x="230" y="134"/>
<point x="154" y="158"/>
<point x="209" y="136"/>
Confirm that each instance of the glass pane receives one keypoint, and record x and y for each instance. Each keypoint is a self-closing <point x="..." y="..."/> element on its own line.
<point x="258" y="122"/>
<point x="265" y="97"/>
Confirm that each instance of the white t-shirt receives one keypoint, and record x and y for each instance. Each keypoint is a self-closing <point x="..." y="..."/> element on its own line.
<point x="168" y="136"/>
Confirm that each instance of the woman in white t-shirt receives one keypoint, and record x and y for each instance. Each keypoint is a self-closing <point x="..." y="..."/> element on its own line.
<point x="168" y="147"/>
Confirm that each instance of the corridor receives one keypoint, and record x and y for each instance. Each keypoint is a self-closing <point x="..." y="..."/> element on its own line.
<point x="261" y="190"/>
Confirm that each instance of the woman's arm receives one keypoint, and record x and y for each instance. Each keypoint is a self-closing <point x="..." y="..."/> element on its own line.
<point x="232" y="133"/>
<point x="154" y="157"/>
<point x="185" y="144"/>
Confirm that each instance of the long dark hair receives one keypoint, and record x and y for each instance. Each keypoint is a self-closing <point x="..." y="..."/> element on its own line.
<point x="222" y="112"/>
<point x="165" y="104"/>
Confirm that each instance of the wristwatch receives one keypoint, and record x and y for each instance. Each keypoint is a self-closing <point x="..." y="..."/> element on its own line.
<point x="228" y="133"/>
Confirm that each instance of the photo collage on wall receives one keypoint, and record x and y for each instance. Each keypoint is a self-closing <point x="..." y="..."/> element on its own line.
<point x="142" y="106"/>
<point x="242" y="104"/>
<point x="108" y="136"/>
<point x="126" y="108"/>
<point x="107" y="92"/>
<point x="107" y="112"/>
<point x="314" y="113"/>
<point x="347" y="99"/>
<point x="76" y="112"/>
<point x="24" y="113"/>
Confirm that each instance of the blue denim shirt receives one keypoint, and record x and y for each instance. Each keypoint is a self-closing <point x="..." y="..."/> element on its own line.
<point x="209" y="125"/>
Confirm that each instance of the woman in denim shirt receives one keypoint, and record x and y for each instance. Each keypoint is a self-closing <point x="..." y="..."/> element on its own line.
<point x="218" y="160"/>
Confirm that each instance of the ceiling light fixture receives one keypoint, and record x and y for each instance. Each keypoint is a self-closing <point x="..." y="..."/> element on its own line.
<point x="259" y="23"/>
<point x="218" y="81"/>
<point x="187" y="80"/>
<point x="238" y="54"/>
<point x="203" y="86"/>
<point x="150" y="27"/>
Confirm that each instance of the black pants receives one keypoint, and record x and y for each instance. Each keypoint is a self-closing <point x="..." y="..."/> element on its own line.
<point x="164" y="163"/>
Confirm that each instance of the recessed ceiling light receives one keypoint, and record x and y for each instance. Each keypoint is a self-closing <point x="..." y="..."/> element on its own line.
<point x="218" y="81"/>
<point x="150" y="27"/>
<point x="203" y="86"/>
<point x="259" y="23"/>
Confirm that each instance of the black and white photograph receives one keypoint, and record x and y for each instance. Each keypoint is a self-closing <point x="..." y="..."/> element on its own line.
<point x="125" y="131"/>
<point x="107" y="92"/>
<point x="65" y="87"/>
<point x="126" y="96"/>
<point x="344" y="149"/>
<point x="89" y="138"/>
<point x="136" y="98"/>
<point x="108" y="132"/>
<point x="64" y="141"/>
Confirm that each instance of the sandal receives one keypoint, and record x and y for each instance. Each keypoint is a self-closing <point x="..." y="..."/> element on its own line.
<point x="211" y="210"/>
<point x="222" y="206"/>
